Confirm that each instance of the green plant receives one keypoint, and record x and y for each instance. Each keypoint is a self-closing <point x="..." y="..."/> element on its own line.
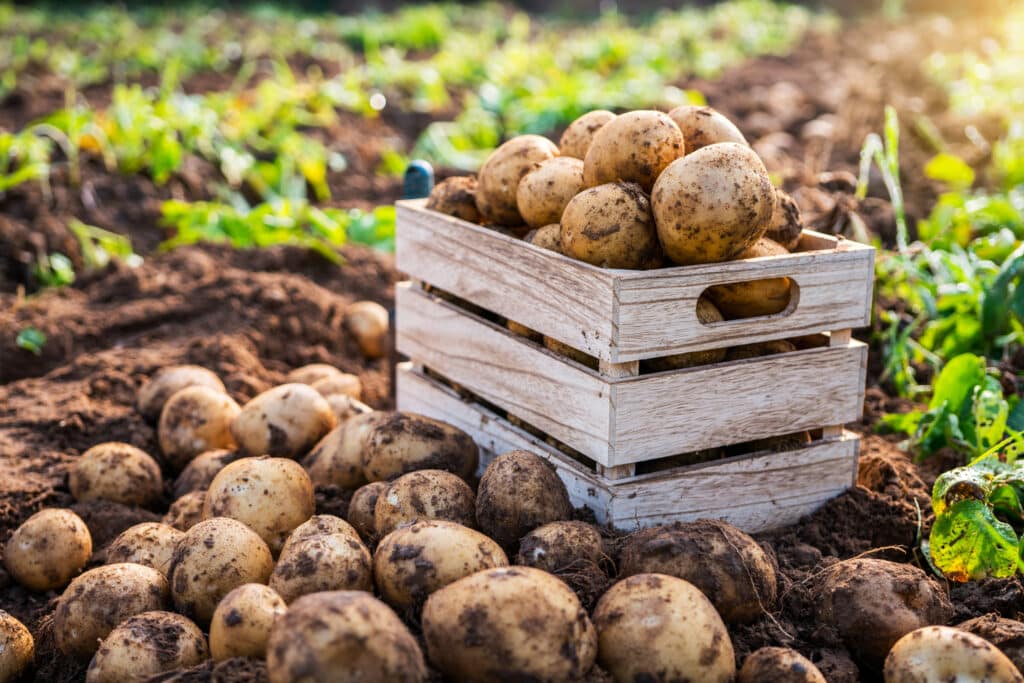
<point x="54" y="270"/>
<point x="31" y="339"/>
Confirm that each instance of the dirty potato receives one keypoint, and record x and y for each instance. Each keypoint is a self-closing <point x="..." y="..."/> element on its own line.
<point x="499" y="177"/>
<point x="312" y="373"/>
<point x="241" y="623"/>
<point x="611" y="226"/>
<point x="17" y="648"/>
<point x="703" y="126"/>
<point x="519" y="491"/>
<point x="401" y="442"/>
<point x="169" y="381"/>
<point x="707" y="313"/>
<point x="759" y="349"/>
<point x="345" y="407"/>
<point x="283" y="422"/>
<point x="779" y="665"/>
<point x="575" y="141"/>
<point x="941" y="653"/>
<point x="362" y="508"/>
<point x="368" y="323"/>
<point x="786" y="225"/>
<point x="547" y="188"/>
<point x="321" y="525"/>
<point x="145" y="645"/>
<point x="198" y="474"/>
<point x="48" y="549"/>
<point x="1006" y="634"/>
<point x="118" y="472"/>
<point x="150" y="544"/>
<point x="455" y="196"/>
<point x="424" y="494"/>
<point x="186" y="512"/>
<point x="343" y="383"/>
<point x="335" y="461"/>
<point x="633" y="147"/>
<point x="324" y="562"/>
<point x="195" y="420"/>
<point x="756" y="297"/>
<point x="562" y="547"/>
<point x="546" y="237"/>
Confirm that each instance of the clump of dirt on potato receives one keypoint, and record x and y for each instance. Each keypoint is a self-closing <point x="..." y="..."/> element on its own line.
<point x="455" y="196"/>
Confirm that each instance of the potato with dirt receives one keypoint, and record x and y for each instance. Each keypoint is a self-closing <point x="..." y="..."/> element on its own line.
<point x="659" y="628"/>
<point x="424" y="494"/>
<point x="170" y="380"/>
<point x="779" y="665"/>
<point x="321" y="525"/>
<point x="562" y="547"/>
<point x="322" y="562"/>
<point x="312" y="373"/>
<point x="198" y="474"/>
<point x="575" y="141"/>
<point x="336" y="460"/>
<point x="186" y="512"/>
<point x="498" y="179"/>
<point x="48" y="549"/>
<point x="455" y="196"/>
<point x="611" y="226"/>
<point x="634" y="147"/>
<point x="787" y="225"/>
<point x="726" y="564"/>
<point x="942" y="653"/>
<point x="195" y="420"/>
<point x="707" y="313"/>
<point x="508" y="623"/>
<point x="363" y="507"/>
<point x="546" y="237"/>
<point x="413" y="561"/>
<point x="711" y="205"/>
<point x="1006" y="634"/>
<point x="17" y="648"/>
<point x="271" y="496"/>
<point x="150" y="544"/>
<point x="97" y="601"/>
<point x="401" y="442"/>
<point x="345" y="407"/>
<point x="242" y="621"/>
<point x="213" y="558"/>
<point x="118" y="472"/>
<point x="344" y="383"/>
<point x="368" y="323"/>
<point x="756" y="297"/>
<point x="283" y="422"/>
<point x="546" y="189"/>
<point x="703" y="126"/>
<point x="760" y="349"/>
<point x="519" y="491"/>
<point x="872" y="603"/>
<point x="342" y="637"/>
<point x="145" y="645"/>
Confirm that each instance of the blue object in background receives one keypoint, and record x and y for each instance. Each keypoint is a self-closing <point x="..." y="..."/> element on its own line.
<point x="419" y="180"/>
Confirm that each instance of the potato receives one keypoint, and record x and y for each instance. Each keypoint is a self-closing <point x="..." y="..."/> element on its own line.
<point x="343" y="383"/>
<point x="659" y="628"/>
<point x="312" y="373"/>
<point x="941" y="653"/>
<point x="611" y="226"/>
<point x="170" y="380"/>
<point x="150" y="544"/>
<point x="786" y="225"/>
<point x="198" y="474"/>
<point x="363" y="507"/>
<point x="413" y="561"/>
<point x="424" y="494"/>
<point x="755" y="297"/>
<point x="585" y="359"/>
<point x="719" y="559"/>
<point x="186" y="512"/>
<point x="321" y="525"/>
<point x="1006" y="634"/>
<point x="368" y="323"/>
<point x="873" y="603"/>
<point x="707" y="312"/>
<point x="758" y="349"/>
<point x="499" y="177"/>
<point x="334" y="461"/>
<point x="562" y="547"/>
<point x="100" y="599"/>
<point x="17" y="648"/>
<point x="779" y="665"/>
<point x="576" y="139"/>
<point x="325" y="562"/>
<point x="283" y="422"/>
<point x="455" y="196"/>
<point x="508" y="623"/>
<point x="345" y="407"/>
<point x="546" y="237"/>
<point x="195" y="420"/>
<point x="519" y="491"/>
<point x="145" y="645"/>
<point x="703" y="126"/>
<point x="633" y="147"/>
<point x="118" y="472"/>
<point x="48" y="549"/>
<point x="401" y="442"/>
<point x="241" y="623"/>
<point x="342" y="637"/>
<point x="214" y="557"/>
<point x="547" y="188"/>
<point x="711" y="205"/>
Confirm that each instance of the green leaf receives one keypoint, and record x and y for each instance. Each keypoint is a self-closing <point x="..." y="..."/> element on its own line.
<point x="951" y="170"/>
<point x="967" y="542"/>
<point x="955" y="384"/>
<point x="31" y="339"/>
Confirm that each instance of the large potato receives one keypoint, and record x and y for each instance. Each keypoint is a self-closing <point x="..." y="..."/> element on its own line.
<point x="722" y="561"/>
<point x="424" y="494"/>
<point x="326" y="562"/>
<point x="362" y="509"/>
<point x="519" y="491"/>
<point x="941" y="653"/>
<point x="312" y="373"/>
<point x="545" y="190"/>
<point x="198" y="474"/>
<point x="402" y="442"/>
<point x="703" y="126"/>
<point x="707" y="313"/>
<point x="611" y="226"/>
<point x="150" y="544"/>
<point x="562" y="547"/>
<point x="342" y="637"/>
<point x="757" y="297"/>
<point x="48" y="549"/>
<point x="659" y="628"/>
<point x="576" y="139"/>
<point x="1006" y="634"/>
<point x="169" y="381"/>
<point x="499" y="177"/>
<point x="335" y="461"/>
<point x="455" y="196"/>
<point x="508" y="623"/>
<point x="17" y="648"/>
<point x="145" y="645"/>
<point x="412" y="562"/>
<point x="321" y="525"/>
<point x="271" y="496"/>
<point x="195" y="420"/>
<point x="118" y="472"/>
<point x="633" y="147"/>
<point x="711" y="205"/>
<point x="283" y="422"/>
<point x="779" y="665"/>
<point x="242" y="621"/>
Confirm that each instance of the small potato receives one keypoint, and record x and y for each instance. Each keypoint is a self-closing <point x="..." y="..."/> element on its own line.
<point x="719" y="559"/>
<point x="519" y="491"/>
<point x="711" y="205"/>
<point x="48" y="549"/>
<point x="145" y="645"/>
<point x="499" y="177"/>
<point x="757" y="297"/>
<point x="368" y="323"/>
<point x="17" y="648"/>
<point x="214" y="557"/>
<point x="585" y="359"/>
<point x="321" y="525"/>
<point x="414" y="561"/>
<point x="873" y="603"/>
<point x="611" y="226"/>
<point x="118" y="472"/>
<point x="283" y="422"/>
<point x="271" y="496"/>
<point x="169" y="381"/>
<point x="343" y="383"/>
<point x="561" y="547"/>
<point x="334" y="461"/>
<point x="312" y="373"/>
<point x="455" y="196"/>
<point x="150" y="544"/>
<point x="195" y="420"/>
<point x="424" y="494"/>
<point x="97" y="601"/>
<point x="786" y="225"/>
<point x="241" y="623"/>
<point x="363" y="507"/>
<point x="345" y="407"/>
<point x="401" y="442"/>
<point x="759" y="349"/>
<point x="342" y="637"/>
<point x="186" y="512"/>
<point x="703" y="126"/>
<point x="1006" y="634"/>
<point x="633" y="147"/>
<point x="198" y="474"/>
<point x="659" y="628"/>
<point x="544" y="191"/>
<point x="941" y="653"/>
<point x="707" y="312"/>
<point x="546" y="237"/>
<point x="576" y="139"/>
<point x="779" y="665"/>
<point x="508" y="623"/>
<point x="326" y="562"/>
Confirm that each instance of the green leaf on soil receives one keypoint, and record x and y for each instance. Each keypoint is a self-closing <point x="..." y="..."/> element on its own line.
<point x="31" y="339"/>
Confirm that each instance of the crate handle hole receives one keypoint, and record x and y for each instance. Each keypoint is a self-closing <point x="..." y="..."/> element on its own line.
<point x="767" y="299"/>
